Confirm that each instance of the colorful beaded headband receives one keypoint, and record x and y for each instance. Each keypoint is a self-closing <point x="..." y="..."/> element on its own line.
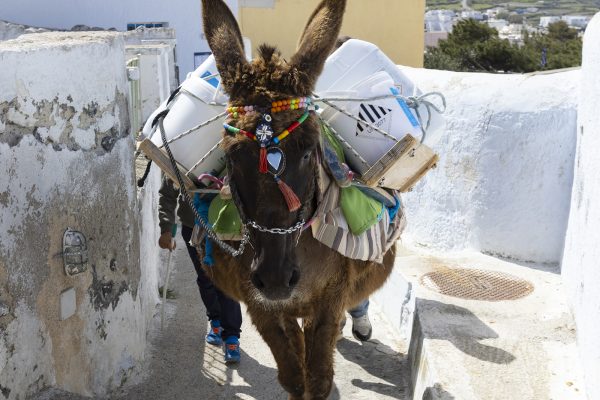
<point x="271" y="157"/>
<point x="276" y="106"/>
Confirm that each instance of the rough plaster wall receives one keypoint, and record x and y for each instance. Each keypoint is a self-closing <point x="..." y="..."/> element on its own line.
<point x="505" y="173"/>
<point x="149" y="234"/>
<point x="67" y="161"/>
<point x="580" y="268"/>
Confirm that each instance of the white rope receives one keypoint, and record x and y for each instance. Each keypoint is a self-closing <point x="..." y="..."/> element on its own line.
<point x="345" y="143"/>
<point x="202" y="125"/>
<point x="413" y="102"/>
<point x="212" y="150"/>
<point x="339" y="109"/>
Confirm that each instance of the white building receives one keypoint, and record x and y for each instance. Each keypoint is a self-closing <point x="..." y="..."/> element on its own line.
<point x="185" y="16"/>
<point x="439" y="20"/>
<point x="545" y="21"/>
<point x="476" y="15"/>
<point x="513" y="33"/>
<point x="492" y="12"/>
<point x="576" y="21"/>
<point x="497" y="23"/>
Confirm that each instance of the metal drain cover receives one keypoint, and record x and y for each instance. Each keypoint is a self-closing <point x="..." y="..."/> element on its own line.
<point x="477" y="284"/>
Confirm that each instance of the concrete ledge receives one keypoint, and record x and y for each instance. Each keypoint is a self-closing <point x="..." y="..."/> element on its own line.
<point x="472" y="350"/>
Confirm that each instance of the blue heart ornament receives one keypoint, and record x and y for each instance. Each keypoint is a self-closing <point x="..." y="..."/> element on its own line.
<point x="275" y="159"/>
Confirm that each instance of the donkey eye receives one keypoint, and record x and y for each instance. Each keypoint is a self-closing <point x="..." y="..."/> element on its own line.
<point x="307" y="155"/>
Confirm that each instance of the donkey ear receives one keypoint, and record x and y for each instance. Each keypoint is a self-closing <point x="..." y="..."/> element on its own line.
<point x="318" y="38"/>
<point x="224" y="38"/>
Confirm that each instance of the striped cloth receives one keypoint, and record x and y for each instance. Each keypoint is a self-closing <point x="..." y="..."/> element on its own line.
<point x="330" y="227"/>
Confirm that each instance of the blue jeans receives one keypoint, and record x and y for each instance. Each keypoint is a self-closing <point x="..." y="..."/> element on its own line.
<point x="361" y="309"/>
<point x="218" y="305"/>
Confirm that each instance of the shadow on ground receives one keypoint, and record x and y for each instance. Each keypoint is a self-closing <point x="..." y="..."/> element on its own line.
<point x="460" y="327"/>
<point x="379" y="361"/>
<point x="436" y="392"/>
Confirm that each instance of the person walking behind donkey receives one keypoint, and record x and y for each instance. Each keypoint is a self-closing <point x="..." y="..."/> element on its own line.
<point x="224" y="314"/>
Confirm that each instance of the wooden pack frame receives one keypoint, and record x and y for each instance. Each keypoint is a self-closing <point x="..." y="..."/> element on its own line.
<point x="401" y="167"/>
<point x="161" y="159"/>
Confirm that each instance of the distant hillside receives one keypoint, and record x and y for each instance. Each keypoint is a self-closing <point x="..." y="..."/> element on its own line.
<point x="545" y="7"/>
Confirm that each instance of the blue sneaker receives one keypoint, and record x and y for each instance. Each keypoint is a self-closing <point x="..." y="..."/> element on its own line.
<point x="232" y="350"/>
<point x="214" y="336"/>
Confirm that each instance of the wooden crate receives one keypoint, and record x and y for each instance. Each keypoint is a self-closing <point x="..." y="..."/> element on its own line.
<point x="402" y="167"/>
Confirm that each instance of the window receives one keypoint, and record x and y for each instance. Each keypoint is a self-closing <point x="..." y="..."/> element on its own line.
<point x="134" y="25"/>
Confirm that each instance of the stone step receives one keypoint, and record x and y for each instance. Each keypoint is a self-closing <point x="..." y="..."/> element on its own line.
<point x="465" y="349"/>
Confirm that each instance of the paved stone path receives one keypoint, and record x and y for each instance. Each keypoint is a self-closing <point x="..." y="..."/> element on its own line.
<point x="182" y="366"/>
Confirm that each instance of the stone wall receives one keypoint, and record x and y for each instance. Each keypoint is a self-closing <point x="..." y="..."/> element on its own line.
<point x="506" y="150"/>
<point x="67" y="161"/>
<point x="580" y="267"/>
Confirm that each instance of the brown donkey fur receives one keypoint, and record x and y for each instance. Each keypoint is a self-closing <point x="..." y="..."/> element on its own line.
<point x="285" y="277"/>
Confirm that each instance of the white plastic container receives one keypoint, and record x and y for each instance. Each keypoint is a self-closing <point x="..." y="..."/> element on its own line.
<point x="188" y="109"/>
<point x="391" y="115"/>
<point x="354" y="61"/>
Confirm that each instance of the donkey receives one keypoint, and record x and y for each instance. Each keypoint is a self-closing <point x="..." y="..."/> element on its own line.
<point x="285" y="276"/>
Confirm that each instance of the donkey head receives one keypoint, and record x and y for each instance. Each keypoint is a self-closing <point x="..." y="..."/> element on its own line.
<point x="261" y="197"/>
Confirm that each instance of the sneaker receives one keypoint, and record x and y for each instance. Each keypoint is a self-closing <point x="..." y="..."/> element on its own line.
<point x="214" y="336"/>
<point x="361" y="328"/>
<point x="232" y="350"/>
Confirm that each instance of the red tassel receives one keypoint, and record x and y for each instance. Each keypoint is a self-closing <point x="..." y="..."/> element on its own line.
<point x="290" y="197"/>
<point x="262" y="163"/>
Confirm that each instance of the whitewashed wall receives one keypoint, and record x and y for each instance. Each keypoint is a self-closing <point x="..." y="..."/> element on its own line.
<point x="184" y="15"/>
<point x="581" y="267"/>
<point x="154" y="72"/>
<point x="66" y="158"/>
<point x="503" y="182"/>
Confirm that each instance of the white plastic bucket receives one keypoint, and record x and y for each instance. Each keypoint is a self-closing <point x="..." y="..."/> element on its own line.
<point x="188" y="109"/>
<point x="391" y="115"/>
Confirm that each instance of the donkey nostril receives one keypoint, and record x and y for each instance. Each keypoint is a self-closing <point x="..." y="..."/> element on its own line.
<point x="294" y="278"/>
<point x="256" y="281"/>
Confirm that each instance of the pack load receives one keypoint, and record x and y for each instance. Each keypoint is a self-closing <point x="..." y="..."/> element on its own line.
<point x="372" y="129"/>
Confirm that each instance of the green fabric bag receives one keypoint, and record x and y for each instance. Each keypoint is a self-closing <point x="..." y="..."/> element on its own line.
<point x="333" y="142"/>
<point x="360" y="211"/>
<point x="224" y="217"/>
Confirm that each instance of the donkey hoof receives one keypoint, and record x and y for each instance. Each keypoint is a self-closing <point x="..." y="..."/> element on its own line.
<point x="296" y="392"/>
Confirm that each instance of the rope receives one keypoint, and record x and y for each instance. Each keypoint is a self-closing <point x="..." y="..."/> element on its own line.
<point x="375" y="128"/>
<point x="204" y="224"/>
<point x="344" y="142"/>
<point x="413" y="102"/>
<point x="212" y="150"/>
<point x="202" y="125"/>
<point x="142" y="180"/>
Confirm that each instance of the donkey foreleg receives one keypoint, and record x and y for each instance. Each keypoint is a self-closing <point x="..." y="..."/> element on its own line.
<point x="320" y="334"/>
<point x="286" y="341"/>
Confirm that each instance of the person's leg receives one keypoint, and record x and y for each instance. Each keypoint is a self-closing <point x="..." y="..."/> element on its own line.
<point x="231" y="316"/>
<point x="231" y="321"/>
<point x="208" y="292"/>
<point x="361" y="326"/>
<point x="361" y="309"/>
